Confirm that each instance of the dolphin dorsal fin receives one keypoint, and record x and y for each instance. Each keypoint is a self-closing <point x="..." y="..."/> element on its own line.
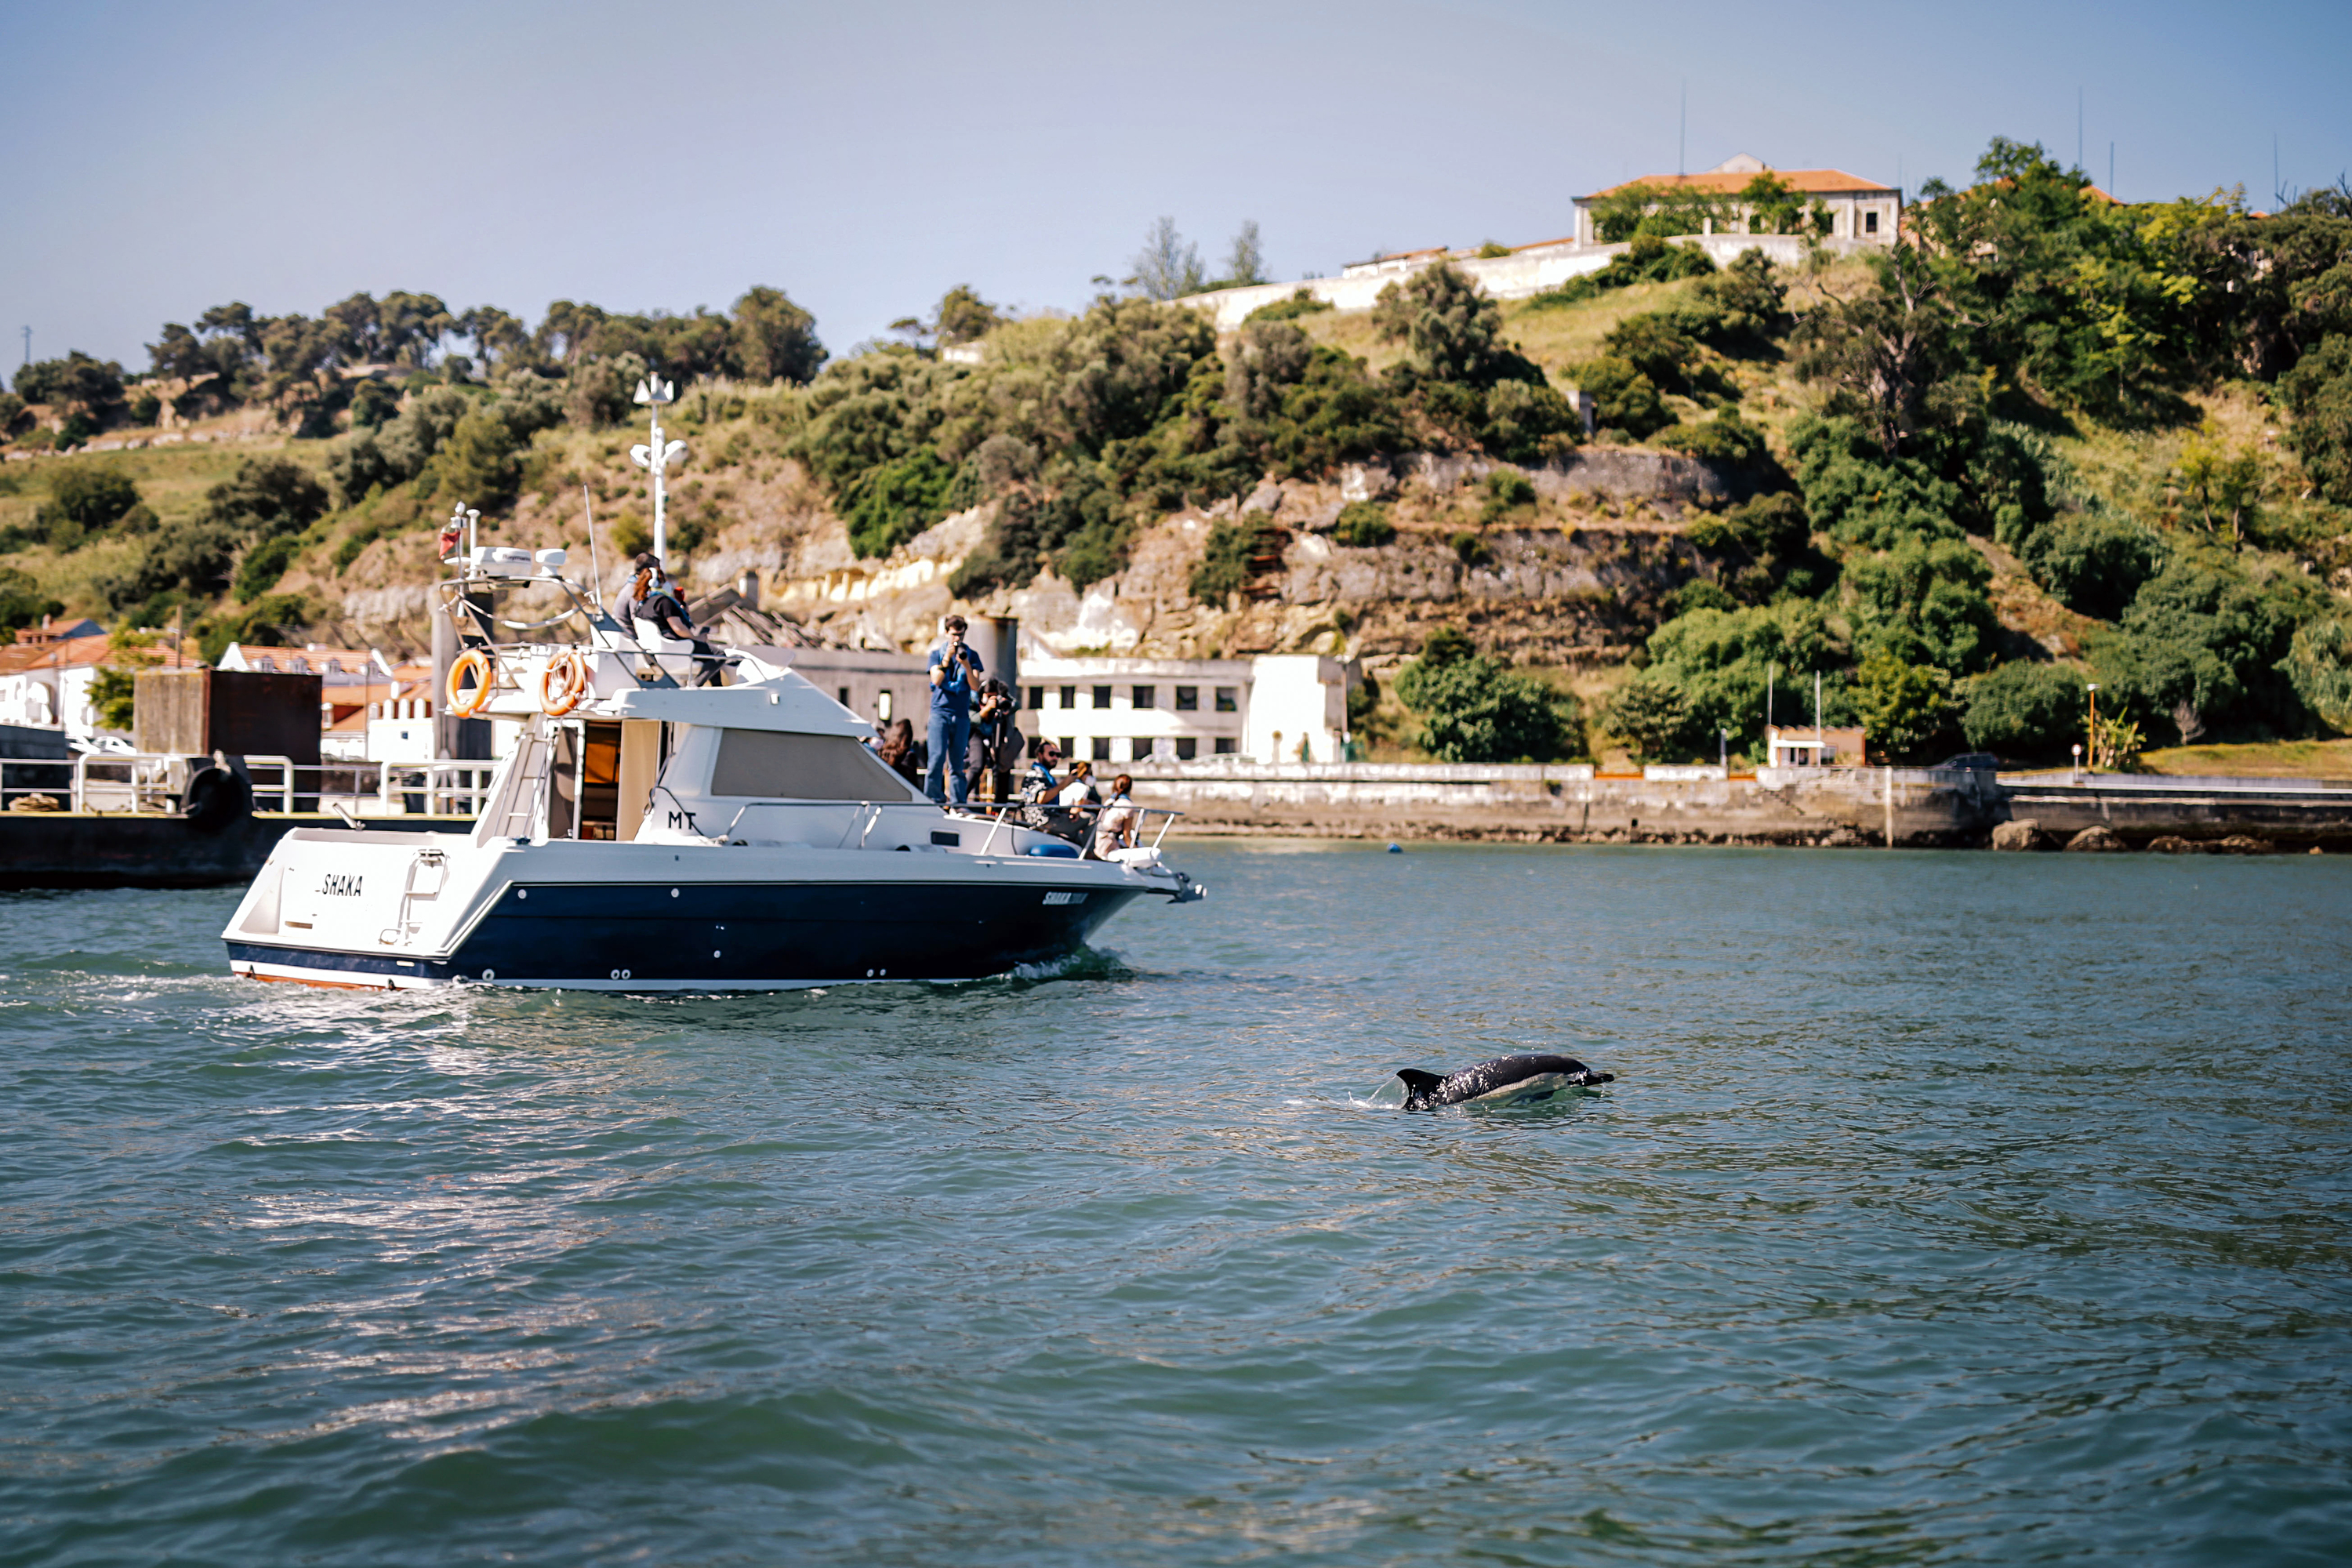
<point x="1417" y="1082"/>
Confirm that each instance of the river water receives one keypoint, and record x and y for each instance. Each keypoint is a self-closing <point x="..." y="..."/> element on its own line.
<point x="1947" y="1209"/>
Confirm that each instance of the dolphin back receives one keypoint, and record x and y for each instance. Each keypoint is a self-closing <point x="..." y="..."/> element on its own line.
<point x="1493" y="1078"/>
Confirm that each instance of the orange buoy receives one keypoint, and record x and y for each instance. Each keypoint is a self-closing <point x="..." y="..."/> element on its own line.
<point x="465" y="704"/>
<point x="564" y="683"/>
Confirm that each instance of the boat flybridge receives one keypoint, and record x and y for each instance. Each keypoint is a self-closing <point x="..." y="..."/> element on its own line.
<point x="647" y="834"/>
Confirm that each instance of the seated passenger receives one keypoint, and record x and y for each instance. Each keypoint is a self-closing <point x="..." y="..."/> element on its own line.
<point x="1121" y="822"/>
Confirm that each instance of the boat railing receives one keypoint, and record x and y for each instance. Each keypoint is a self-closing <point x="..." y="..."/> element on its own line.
<point x="998" y="812"/>
<point x="153" y="782"/>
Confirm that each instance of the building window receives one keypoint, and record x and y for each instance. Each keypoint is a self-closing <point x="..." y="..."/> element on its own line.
<point x="1870" y="223"/>
<point x="1069" y="698"/>
<point x="1188" y="699"/>
<point x="844" y="697"/>
<point x="1147" y="696"/>
<point x="1036" y="697"/>
<point x="1224" y="745"/>
<point x="1101" y="749"/>
<point x="1069" y="746"/>
<point x="882" y="705"/>
<point x="1102" y="696"/>
<point x="1229" y="699"/>
<point x="1187" y="748"/>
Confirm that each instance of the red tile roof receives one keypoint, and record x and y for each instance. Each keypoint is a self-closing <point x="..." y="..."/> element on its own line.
<point x="1805" y="181"/>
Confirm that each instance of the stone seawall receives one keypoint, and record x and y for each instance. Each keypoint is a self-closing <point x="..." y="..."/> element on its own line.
<point x="2140" y="808"/>
<point x="1572" y="804"/>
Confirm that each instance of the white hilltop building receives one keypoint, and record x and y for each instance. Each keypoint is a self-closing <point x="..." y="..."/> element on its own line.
<point x="1863" y="215"/>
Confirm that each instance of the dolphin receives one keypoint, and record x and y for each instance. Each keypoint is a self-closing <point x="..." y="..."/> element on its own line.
<point x="1506" y="1080"/>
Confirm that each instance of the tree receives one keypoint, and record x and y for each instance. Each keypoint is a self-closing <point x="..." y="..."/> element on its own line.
<point x="1908" y="713"/>
<point x="1477" y="708"/>
<point x="89" y="495"/>
<point x="1924" y="602"/>
<point x="411" y="327"/>
<point x="774" y="339"/>
<point x="1624" y="399"/>
<point x="2223" y="486"/>
<point x="1649" y="716"/>
<point x="267" y="496"/>
<point x="477" y="464"/>
<point x="2024" y="712"/>
<point x="1643" y="209"/>
<point x="1884" y="346"/>
<point x="496" y="337"/>
<point x="1246" y="263"/>
<point x="1224" y="565"/>
<point x="2093" y="563"/>
<point x="1446" y="321"/>
<point x="1168" y="266"/>
<point x="2318" y="391"/>
<point x="963" y="317"/>
<point x="77" y="381"/>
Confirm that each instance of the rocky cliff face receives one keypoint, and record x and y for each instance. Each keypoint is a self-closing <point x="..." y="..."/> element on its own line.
<point x="1576" y="575"/>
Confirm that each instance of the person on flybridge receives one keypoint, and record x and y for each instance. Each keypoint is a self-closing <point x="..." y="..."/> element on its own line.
<point x="955" y="671"/>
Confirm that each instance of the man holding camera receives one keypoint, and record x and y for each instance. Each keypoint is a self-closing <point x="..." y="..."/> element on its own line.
<point x="955" y="675"/>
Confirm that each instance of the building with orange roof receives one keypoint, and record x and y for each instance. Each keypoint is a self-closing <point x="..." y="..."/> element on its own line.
<point x="1858" y="209"/>
<point x="46" y="676"/>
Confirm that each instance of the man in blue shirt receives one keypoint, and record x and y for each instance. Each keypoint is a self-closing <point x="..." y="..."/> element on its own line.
<point x="955" y="676"/>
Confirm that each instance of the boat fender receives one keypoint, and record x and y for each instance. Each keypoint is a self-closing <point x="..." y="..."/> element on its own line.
<point x="215" y="797"/>
<point x="464" y="703"/>
<point x="564" y="684"/>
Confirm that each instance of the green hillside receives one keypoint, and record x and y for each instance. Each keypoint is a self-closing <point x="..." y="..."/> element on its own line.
<point x="2046" y="441"/>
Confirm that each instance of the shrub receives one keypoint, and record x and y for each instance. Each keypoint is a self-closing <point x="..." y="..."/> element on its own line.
<point x="2319" y="663"/>
<point x="2094" y="563"/>
<point x="1478" y="710"/>
<point x="22" y="603"/>
<point x="1363" y="525"/>
<point x="1726" y="439"/>
<point x="1469" y="548"/>
<point x="1723" y="663"/>
<point x="477" y="464"/>
<point x="2024" y="712"/>
<point x="262" y="566"/>
<point x="2318" y="391"/>
<point x="1622" y="397"/>
<point x="1224" y="565"/>
<point x="887" y="506"/>
<point x="1924" y="602"/>
<point x="1301" y="303"/>
<point x="278" y="621"/>
<point x="1506" y="488"/>
<point x="267" y="496"/>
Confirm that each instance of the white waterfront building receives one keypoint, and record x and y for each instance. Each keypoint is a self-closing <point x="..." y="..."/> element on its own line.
<point x="1274" y="707"/>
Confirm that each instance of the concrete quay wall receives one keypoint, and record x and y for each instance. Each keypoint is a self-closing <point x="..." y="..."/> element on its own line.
<point x="2138" y="808"/>
<point x="1572" y="804"/>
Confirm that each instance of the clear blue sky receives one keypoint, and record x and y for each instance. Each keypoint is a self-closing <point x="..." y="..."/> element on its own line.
<point x="865" y="157"/>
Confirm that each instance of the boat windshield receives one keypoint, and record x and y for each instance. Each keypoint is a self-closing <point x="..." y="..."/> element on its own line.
<point x="780" y="765"/>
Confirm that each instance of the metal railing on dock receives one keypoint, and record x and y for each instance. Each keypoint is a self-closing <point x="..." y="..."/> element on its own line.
<point x="154" y="782"/>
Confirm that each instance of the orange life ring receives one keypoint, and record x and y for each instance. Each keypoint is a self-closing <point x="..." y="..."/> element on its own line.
<point x="555" y="700"/>
<point x="464" y="704"/>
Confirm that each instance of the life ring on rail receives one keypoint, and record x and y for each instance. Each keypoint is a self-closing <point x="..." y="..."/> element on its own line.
<point x="464" y="703"/>
<point x="564" y="683"/>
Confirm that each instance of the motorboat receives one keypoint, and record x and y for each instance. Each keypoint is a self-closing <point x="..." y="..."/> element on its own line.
<point x="648" y="833"/>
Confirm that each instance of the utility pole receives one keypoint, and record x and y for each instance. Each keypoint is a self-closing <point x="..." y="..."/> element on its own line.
<point x="2090" y="730"/>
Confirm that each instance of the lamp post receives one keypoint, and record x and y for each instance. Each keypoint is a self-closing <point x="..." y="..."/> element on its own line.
<point x="2091" y="734"/>
<point x="657" y="456"/>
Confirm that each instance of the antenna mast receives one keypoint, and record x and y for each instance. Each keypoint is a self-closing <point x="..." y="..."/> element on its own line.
<point x="657" y="456"/>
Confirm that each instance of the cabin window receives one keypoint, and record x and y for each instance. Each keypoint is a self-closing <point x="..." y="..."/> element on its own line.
<point x="777" y="764"/>
<point x="1229" y="699"/>
<point x="1188" y="699"/>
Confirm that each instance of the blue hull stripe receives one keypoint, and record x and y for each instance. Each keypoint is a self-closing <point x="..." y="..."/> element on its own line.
<point x="746" y="933"/>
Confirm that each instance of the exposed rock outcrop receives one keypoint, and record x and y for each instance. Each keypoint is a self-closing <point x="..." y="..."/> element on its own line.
<point x="2023" y="833"/>
<point x="2096" y="841"/>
